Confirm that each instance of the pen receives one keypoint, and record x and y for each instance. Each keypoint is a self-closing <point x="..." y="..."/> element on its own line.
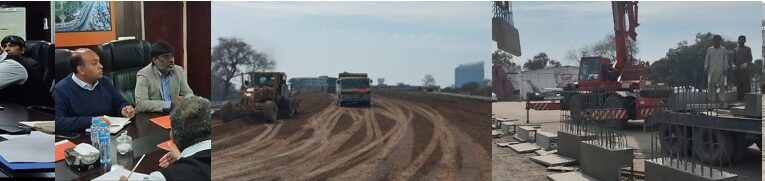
<point x="136" y="166"/>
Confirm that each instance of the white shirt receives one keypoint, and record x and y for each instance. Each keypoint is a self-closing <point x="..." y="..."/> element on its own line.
<point x="716" y="58"/>
<point x="83" y="84"/>
<point x="191" y="150"/>
<point x="11" y="73"/>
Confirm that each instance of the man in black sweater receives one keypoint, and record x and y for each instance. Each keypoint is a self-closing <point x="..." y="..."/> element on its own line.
<point x="191" y="133"/>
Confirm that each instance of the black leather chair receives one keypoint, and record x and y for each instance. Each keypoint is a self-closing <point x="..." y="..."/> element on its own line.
<point x="62" y="63"/>
<point x="42" y="51"/>
<point x="122" y="59"/>
<point x="36" y="93"/>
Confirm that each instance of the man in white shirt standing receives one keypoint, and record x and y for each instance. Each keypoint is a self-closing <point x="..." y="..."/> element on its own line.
<point x="715" y="64"/>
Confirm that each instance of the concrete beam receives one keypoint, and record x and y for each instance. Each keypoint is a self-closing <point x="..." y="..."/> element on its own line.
<point x="568" y="144"/>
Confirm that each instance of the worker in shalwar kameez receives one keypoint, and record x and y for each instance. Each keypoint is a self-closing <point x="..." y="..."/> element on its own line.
<point x="716" y="64"/>
<point x="742" y="58"/>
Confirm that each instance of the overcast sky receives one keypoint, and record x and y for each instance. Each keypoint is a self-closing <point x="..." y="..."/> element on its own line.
<point x="557" y="27"/>
<point x="398" y="41"/>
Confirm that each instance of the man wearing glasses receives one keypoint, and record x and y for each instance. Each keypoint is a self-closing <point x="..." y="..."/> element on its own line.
<point x="161" y="84"/>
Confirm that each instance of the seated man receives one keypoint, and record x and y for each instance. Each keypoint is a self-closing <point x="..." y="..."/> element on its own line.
<point x="86" y="94"/>
<point x="15" y="47"/>
<point x="160" y="84"/>
<point x="191" y="133"/>
<point x="11" y="72"/>
<point x="20" y="76"/>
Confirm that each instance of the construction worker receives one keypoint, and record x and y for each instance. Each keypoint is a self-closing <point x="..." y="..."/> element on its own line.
<point x="742" y="59"/>
<point x="715" y="64"/>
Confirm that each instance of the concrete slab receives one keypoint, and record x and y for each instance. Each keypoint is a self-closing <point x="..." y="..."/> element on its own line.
<point x="570" y="176"/>
<point x="545" y="139"/>
<point x="496" y="134"/>
<point x="542" y="152"/>
<point x="523" y="133"/>
<point x="568" y="144"/>
<point x="552" y="160"/>
<point x="604" y="163"/>
<point x="561" y="169"/>
<point x="505" y="144"/>
<point x="524" y="148"/>
<point x="658" y="170"/>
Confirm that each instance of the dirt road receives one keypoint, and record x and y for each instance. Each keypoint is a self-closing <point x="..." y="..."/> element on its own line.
<point x="401" y="137"/>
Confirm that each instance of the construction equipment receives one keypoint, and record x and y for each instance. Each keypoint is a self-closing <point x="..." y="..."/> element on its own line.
<point x="507" y="38"/>
<point x="263" y="93"/>
<point x="331" y="84"/>
<point x="353" y="88"/>
<point x="693" y="126"/>
<point x="537" y="95"/>
<point x="617" y="91"/>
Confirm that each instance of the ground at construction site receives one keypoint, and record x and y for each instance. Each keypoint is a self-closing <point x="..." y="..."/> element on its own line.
<point x="402" y="136"/>
<point x="509" y="165"/>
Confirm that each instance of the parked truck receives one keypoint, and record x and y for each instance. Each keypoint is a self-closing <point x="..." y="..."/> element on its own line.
<point x="353" y="88"/>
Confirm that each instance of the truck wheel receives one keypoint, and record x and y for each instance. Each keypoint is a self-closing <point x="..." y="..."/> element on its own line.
<point x="225" y="112"/>
<point x="291" y="111"/>
<point x="616" y="101"/>
<point x="714" y="146"/>
<point x="271" y="112"/>
<point x="674" y="139"/>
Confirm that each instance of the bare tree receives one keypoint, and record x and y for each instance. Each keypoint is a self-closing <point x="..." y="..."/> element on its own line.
<point x="604" y="48"/>
<point x="428" y="81"/>
<point x="233" y="56"/>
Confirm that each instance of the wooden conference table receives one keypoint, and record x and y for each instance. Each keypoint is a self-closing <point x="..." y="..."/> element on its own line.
<point x="12" y="114"/>
<point x="146" y="135"/>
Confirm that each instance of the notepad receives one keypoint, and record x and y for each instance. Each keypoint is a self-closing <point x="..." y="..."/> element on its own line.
<point x="163" y="121"/>
<point x="163" y="145"/>
<point x="61" y="147"/>
<point x="118" y="171"/>
<point x="34" y="147"/>
<point x="117" y="124"/>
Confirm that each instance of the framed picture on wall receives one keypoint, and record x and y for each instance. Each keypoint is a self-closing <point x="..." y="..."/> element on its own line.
<point x="82" y="16"/>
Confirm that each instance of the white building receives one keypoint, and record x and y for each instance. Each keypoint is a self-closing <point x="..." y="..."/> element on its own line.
<point x="544" y="79"/>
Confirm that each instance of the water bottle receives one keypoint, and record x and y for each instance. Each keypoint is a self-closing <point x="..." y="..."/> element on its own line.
<point x="104" y="143"/>
<point x="95" y="131"/>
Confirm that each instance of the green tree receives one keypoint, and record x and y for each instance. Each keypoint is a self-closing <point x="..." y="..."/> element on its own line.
<point x="684" y="64"/>
<point x="470" y="87"/>
<point x="538" y="62"/>
<point x="501" y="58"/>
<point x="554" y="63"/>
<point x="756" y="68"/>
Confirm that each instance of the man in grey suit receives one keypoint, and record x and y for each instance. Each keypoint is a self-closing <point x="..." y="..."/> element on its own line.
<point x="160" y="84"/>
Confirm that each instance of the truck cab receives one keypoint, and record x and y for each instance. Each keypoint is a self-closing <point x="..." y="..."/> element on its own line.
<point x="353" y="88"/>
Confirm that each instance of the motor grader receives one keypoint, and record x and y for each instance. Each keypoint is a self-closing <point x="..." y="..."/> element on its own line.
<point x="263" y="93"/>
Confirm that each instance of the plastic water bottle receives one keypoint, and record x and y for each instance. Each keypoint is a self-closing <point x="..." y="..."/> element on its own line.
<point x="104" y="145"/>
<point x="95" y="130"/>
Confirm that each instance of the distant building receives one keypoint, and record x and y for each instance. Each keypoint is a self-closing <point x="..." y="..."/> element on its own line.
<point x="309" y="83"/>
<point x="469" y="72"/>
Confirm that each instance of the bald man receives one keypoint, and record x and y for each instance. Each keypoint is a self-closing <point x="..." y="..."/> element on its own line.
<point x="86" y="94"/>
